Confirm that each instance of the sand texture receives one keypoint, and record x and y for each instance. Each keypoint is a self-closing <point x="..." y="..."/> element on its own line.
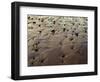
<point x="57" y="40"/>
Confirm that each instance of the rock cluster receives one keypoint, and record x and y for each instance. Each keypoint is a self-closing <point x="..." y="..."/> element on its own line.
<point x="57" y="40"/>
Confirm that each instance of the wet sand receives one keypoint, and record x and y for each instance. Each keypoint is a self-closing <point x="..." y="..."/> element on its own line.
<point x="57" y="40"/>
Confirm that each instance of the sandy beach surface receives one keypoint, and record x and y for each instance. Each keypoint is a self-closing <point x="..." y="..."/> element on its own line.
<point x="57" y="40"/>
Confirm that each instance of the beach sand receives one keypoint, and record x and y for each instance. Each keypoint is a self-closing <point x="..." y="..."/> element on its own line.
<point x="57" y="40"/>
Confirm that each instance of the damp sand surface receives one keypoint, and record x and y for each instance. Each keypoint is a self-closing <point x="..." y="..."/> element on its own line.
<point x="57" y="40"/>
